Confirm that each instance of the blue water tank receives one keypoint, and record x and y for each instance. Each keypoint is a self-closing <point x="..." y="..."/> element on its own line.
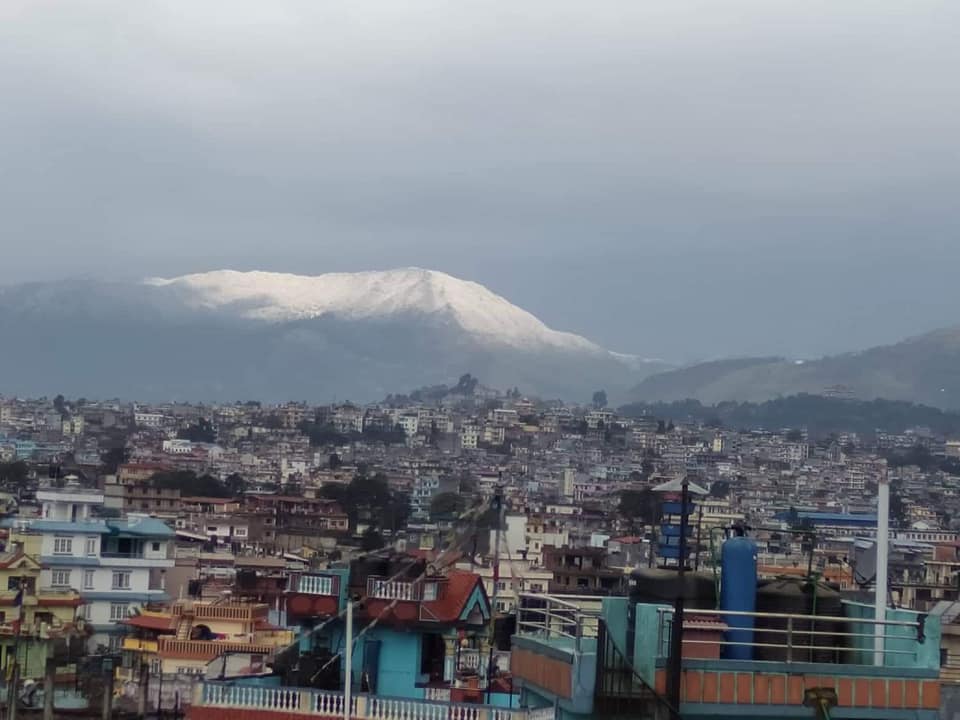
<point x="738" y="592"/>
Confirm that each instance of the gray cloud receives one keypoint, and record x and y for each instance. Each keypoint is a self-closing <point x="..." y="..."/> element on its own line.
<point x="678" y="179"/>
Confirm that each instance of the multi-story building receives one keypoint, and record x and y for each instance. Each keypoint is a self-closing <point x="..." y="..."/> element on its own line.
<point x="32" y="621"/>
<point x="117" y="565"/>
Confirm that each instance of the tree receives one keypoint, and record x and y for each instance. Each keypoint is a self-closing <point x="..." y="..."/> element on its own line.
<point x="14" y="473"/>
<point x="467" y="385"/>
<point x="113" y="458"/>
<point x="187" y="482"/>
<point x="795" y="435"/>
<point x="898" y="508"/>
<point x="60" y="404"/>
<point x="448" y="503"/>
<point x="600" y="399"/>
<point x="720" y="489"/>
<point x="202" y="431"/>
<point x="371" y="540"/>
<point x="640" y="506"/>
<point x="333" y="462"/>
<point x="235" y="484"/>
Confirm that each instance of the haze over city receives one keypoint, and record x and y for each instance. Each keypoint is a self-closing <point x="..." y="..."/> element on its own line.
<point x="683" y="181"/>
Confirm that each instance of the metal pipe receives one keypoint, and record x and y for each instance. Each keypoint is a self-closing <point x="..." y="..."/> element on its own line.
<point x="883" y="543"/>
<point x="348" y="670"/>
<point x="871" y="621"/>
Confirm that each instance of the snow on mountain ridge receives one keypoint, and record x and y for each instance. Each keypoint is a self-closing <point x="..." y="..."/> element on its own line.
<point x="280" y="297"/>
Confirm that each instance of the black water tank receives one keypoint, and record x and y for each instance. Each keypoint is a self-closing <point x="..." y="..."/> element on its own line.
<point x="656" y="585"/>
<point x="797" y="596"/>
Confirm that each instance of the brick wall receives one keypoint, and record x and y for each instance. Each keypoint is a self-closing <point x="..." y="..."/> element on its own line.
<point x="756" y="688"/>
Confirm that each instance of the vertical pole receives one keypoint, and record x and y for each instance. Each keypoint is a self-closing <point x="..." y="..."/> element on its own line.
<point x="160" y="693"/>
<point x="883" y="543"/>
<point x="49" y="670"/>
<point x="143" y="688"/>
<point x="498" y="505"/>
<point x="676" y="630"/>
<point x="348" y="660"/>
<point x="107" y="709"/>
<point x="13" y="690"/>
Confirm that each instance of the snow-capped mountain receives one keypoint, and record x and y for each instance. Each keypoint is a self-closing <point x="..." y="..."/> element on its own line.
<point x="280" y="297"/>
<point x="229" y="335"/>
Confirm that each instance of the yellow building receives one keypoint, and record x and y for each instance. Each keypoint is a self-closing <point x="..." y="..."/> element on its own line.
<point x="186" y="637"/>
<point x="32" y="623"/>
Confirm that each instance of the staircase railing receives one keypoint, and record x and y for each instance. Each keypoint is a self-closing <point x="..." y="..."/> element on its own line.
<point x="619" y="686"/>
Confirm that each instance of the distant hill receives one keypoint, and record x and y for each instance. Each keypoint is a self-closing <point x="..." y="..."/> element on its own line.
<point x="923" y="369"/>
<point x="820" y="415"/>
<point x="226" y="336"/>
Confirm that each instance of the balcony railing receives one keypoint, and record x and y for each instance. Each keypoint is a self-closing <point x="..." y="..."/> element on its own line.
<point x="380" y="589"/>
<point x="472" y="660"/>
<point x="207" y="611"/>
<point x="304" y="701"/>
<point x="789" y="637"/>
<point x="210" y="649"/>
<point x="549" y="617"/>
<point x="316" y="585"/>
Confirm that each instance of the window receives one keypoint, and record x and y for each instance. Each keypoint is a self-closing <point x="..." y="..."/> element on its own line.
<point x="430" y="591"/>
<point x="90" y="547"/>
<point x="119" y="611"/>
<point x="60" y="578"/>
<point x="121" y="580"/>
<point x="156" y="666"/>
<point x="62" y="546"/>
<point x="156" y="547"/>
<point x="116" y="642"/>
<point x="88" y="579"/>
<point x="14" y="583"/>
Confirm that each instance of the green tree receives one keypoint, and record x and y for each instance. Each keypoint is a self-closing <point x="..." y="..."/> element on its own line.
<point x="467" y="385"/>
<point x="720" y="489"/>
<point x="235" y="484"/>
<point x="202" y="431"/>
<point x="600" y="399"/>
<point x="448" y="503"/>
<point x="189" y="484"/>
<point x="333" y="462"/>
<point x="113" y="458"/>
<point x="640" y="507"/>
<point x="371" y="540"/>
<point x="60" y="404"/>
<point x="14" y="473"/>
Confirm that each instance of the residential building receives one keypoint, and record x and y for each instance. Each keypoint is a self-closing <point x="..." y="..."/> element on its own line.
<point x="117" y="565"/>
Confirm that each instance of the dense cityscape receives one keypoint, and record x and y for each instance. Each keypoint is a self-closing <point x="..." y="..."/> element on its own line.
<point x="423" y="360"/>
<point x="173" y="543"/>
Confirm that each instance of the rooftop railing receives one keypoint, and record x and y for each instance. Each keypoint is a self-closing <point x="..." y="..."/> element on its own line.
<point x="383" y="589"/>
<point x="315" y="585"/>
<point x="306" y="701"/>
<point x="549" y="617"/>
<point x="792" y="637"/>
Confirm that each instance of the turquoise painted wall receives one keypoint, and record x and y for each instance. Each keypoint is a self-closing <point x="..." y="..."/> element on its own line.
<point x="645" y="647"/>
<point x="922" y="655"/>
<point x="399" y="662"/>
<point x="614" y="611"/>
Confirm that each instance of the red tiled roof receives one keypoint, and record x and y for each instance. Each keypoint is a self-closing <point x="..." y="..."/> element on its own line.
<point x="455" y="593"/>
<point x="151" y="622"/>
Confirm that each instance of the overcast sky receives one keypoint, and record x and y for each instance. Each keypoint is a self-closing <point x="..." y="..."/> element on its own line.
<point x="683" y="180"/>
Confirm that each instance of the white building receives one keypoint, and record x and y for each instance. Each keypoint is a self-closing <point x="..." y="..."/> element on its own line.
<point x="177" y="447"/>
<point x="117" y="565"/>
<point x="148" y="420"/>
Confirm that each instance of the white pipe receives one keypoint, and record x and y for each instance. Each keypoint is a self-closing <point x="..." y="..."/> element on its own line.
<point x="883" y="545"/>
<point x="348" y="659"/>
